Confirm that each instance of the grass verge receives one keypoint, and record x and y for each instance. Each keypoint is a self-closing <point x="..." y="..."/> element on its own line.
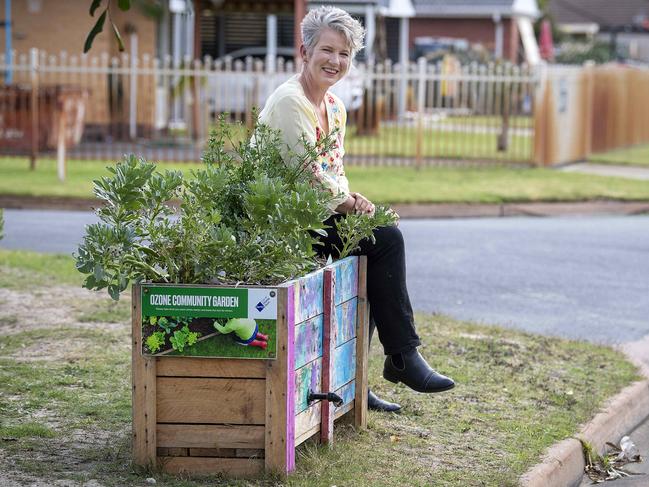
<point x="488" y="184"/>
<point x="65" y="405"/>
<point x="632" y="156"/>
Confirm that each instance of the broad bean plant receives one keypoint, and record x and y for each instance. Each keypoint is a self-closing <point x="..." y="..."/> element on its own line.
<point x="246" y="216"/>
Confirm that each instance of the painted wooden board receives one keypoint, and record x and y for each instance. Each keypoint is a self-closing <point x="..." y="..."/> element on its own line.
<point x="308" y="341"/>
<point x="344" y="362"/>
<point x="308" y="377"/>
<point x="210" y="436"/>
<point x="345" y="321"/>
<point x="346" y="279"/>
<point x="231" y="467"/>
<point x="196" y="400"/>
<point x="347" y="393"/>
<point x="308" y="296"/>
<point x="210" y="367"/>
<point x="306" y="421"/>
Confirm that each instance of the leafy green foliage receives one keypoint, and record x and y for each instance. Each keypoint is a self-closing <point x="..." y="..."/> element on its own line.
<point x="245" y="216"/>
<point x="183" y="337"/>
<point x="353" y="228"/>
<point x="155" y="341"/>
<point x="99" y="25"/>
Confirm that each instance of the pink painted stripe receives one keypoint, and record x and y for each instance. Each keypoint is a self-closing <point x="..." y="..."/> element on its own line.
<point x="290" y="379"/>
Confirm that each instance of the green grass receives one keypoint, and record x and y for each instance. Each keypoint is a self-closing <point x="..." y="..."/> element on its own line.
<point x="438" y="143"/>
<point x="225" y="345"/>
<point x="488" y="184"/>
<point x="66" y="409"/>
<point x="632" y="156"/>
<point x="20" y="268"/>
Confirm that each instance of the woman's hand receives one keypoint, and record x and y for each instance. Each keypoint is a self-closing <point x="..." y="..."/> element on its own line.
<point x="362" y="205"/>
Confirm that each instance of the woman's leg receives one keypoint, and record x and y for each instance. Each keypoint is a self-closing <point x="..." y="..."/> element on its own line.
<point x="390" y="308"/>
<point x="386" y="285"/>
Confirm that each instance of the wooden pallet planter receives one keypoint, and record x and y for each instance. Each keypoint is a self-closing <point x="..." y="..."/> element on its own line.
<point x="242" y="417"/>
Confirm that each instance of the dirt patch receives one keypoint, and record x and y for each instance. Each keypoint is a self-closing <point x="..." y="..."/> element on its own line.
<point x="54" y="306"/>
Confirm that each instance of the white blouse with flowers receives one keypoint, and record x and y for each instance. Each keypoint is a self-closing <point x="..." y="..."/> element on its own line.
<point x="290" y="111"/>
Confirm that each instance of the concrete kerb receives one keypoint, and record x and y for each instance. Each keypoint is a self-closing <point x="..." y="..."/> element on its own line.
<point x="563" y="464"/>
<point x="409" y="210"/>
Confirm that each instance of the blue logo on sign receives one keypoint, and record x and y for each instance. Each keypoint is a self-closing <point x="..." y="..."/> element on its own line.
<point x="260" y="306"/>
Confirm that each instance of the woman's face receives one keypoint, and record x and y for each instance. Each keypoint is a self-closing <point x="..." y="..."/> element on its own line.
<point x="329" y="60"/>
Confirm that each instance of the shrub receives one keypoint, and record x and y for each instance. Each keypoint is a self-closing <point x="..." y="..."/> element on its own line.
<point x="245" y="217"/>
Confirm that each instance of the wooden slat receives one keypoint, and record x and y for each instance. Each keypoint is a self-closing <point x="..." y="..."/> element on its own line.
<point x="306" y="421"/>
<point x="308" y="296"/>
<point x="143" y="393"/>
<point x="280" y="390"/>
<point x="308" y="377"/>
<point x="362" y="346"/>
<point x="172" y="452"/>
<point x="212" y="452"/>
<point x="308" y="341"/>
<point x="231" y="467"/>
<point x="210" y="367"/>
<point x="343" y="364"/>
<point x="210" y="436"/>
<point x="344" y="409"/>
<point x="308" y="434"/>
<point x="197" y="400"/>
<point x="328" y="344"/>
<point x="346" y="316"/>
<point x="347" y="278"/>
<point x="346" y="392"/>
<point x="249" y="453"/>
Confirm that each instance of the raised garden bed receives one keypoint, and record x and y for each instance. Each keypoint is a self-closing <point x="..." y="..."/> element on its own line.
<point x="219" y="407"/>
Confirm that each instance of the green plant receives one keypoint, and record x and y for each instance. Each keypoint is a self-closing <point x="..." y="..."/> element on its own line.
<point x="155" y="341"/>
<point x="183" y="337"/>
<point x="245" y="216"/>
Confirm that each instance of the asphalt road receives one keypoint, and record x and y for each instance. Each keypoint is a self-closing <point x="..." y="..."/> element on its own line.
<point x="577" y="277"/>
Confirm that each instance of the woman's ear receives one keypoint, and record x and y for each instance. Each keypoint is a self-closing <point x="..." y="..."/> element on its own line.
<point x="303" y="53"/>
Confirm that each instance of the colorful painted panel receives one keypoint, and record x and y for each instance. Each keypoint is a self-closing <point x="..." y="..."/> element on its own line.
<point x="307" y="378"/>
<point x="308" y="341"/>
<point x="344" y="363"/>
<point x="309" y="296"/>
<point x="346" y="279"/>
<point x="347" y="393"/>
<point x="345" y="324"/>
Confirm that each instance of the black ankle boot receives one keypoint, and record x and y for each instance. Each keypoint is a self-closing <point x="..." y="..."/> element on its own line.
<point x="375" y="403"/>
<point x="411" y="369"/>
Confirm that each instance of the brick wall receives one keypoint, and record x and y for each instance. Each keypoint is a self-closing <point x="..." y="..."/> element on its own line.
<point x="64" y="25"/>
<point x="481" y="31"/>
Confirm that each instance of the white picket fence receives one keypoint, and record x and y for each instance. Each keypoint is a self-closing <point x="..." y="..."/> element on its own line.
<point x="425" y="113"/>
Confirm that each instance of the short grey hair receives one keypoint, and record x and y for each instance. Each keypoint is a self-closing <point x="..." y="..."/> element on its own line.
<point x="334" y="18"/>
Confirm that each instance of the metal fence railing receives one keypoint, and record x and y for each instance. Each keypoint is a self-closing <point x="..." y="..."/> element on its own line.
<point x="162" y="110"/>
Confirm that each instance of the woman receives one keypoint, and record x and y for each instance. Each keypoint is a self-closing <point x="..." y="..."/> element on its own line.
<point x="303" y="107"/>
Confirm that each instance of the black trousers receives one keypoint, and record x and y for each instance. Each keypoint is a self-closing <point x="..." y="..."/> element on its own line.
<point x="390" y="309"/>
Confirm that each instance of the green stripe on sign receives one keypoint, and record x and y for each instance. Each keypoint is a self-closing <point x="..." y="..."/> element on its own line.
<point x="195" y="302"/>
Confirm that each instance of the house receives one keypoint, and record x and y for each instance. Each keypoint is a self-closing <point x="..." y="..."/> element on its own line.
<point x="503" y="27"/>
<point x="623" y="23"/>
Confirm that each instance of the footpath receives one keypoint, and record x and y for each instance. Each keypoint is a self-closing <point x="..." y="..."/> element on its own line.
<point x="409" y="210"/>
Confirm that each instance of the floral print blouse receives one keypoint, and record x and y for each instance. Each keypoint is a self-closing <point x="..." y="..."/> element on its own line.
<point x="290" y="111"/>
